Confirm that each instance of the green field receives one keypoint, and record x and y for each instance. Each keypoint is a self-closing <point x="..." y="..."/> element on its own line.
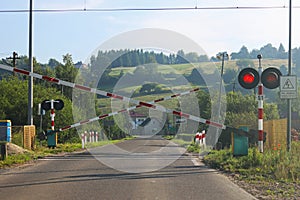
<point x="207" y="67"/>
<point x="179" y="69"/>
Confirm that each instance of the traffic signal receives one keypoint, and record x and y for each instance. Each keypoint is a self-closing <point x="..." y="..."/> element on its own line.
<point x="58" y="104"/>
<point x="270" y="78"/>
<point x="248" y="78"/>
<point x="46" y="105"/>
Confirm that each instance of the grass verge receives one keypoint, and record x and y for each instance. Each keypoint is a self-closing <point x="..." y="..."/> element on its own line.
<point x="274" y="174"/>
<point x="40" y="152"/>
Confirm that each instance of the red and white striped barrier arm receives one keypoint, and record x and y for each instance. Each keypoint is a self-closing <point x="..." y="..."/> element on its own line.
<point x="94" y="90"/>
<point x="188" y="116"/>
<point x="112" y="95"/>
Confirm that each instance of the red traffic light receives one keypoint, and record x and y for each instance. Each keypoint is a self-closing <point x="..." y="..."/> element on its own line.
<point x="46" y="105"/>
<point x="270" y="78"/>
<point x="248" y="78"/>
<point x="58" y="104"/>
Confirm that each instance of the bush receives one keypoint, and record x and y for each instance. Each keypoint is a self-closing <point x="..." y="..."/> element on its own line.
<point x="277" y="164"/>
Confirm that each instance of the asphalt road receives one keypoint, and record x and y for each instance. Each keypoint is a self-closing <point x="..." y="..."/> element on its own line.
<point x="82" y="176"/>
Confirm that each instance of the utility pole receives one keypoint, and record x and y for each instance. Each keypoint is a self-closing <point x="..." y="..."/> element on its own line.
<point x="233" y="86"/>
<point x="289" y="102"/>
<point x="221" y="56"/>
<point x="30" y="79"/>
<point x="14" y="59"/>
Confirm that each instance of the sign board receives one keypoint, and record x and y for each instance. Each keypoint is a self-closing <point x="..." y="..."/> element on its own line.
<point x="180" y="120"/>
<point x="288" y="87"/>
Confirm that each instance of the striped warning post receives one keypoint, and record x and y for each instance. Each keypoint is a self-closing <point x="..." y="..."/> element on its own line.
<point x="260" y="118"/>
<point x="260" y="100"/>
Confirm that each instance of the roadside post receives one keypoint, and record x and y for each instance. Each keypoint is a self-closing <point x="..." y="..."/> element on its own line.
<point x="3" y="150"/>
<point x="82" y="140"/>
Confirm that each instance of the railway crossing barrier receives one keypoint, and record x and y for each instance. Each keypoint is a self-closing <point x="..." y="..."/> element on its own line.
<point x="115" y="96"/>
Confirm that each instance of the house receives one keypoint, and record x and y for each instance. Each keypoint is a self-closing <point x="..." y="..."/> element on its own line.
<point x="137" y="119"/>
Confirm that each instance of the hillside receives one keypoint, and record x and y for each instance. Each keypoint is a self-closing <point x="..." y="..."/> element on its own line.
<point x="207" y="67"/>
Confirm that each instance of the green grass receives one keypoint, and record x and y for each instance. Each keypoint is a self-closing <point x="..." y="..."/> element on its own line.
<point x="40" y="152"/>
<point x="190" y="146"/>
<point x="16" y="159"/>
<point x="278" y="168"/>
<point x="171" y="103"/>
<point x="207" y="67"/>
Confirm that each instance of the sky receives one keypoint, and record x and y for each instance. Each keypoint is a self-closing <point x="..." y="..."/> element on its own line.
<point x="80" y="33"/>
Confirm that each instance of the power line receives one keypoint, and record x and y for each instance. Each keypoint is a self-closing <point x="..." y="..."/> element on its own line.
<point x="146" y="9"/>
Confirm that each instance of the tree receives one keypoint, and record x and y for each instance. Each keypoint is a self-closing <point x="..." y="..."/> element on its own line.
<point x="283" y="69"/>
<point x="66" y="72"/>
<point x="296" y="60"/>
<point x="241" y="108"/>
<point x="53" y="63"/>
<point x="203" y="58"/>
<point x="180" y="57"/>
<point x="281" y="54"/>
<point x="192" y="57"/>
<point x="254" y="53"/>
<point x="229" y="76"/>
<point x="150" y="88"/>
<point x="242" y="54"/>
<point x="242" y="63"/>
<point x="13" y="106"/>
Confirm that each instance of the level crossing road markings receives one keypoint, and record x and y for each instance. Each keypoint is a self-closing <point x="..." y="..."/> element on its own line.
<point x="112" y="95"/>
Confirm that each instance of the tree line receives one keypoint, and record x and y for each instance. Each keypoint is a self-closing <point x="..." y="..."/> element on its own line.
<point x="133" y="58"/>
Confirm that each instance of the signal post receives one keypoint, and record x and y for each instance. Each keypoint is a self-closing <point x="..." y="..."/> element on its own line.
<point x="249" y="78"/>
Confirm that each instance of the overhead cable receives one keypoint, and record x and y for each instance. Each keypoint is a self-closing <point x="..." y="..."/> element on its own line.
<point x="144" y="9"/>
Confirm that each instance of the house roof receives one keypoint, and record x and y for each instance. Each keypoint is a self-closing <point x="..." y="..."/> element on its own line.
<point x="134" y="114"/>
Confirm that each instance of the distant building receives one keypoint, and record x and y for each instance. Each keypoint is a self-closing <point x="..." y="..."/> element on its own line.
<point x="137" y="119"/>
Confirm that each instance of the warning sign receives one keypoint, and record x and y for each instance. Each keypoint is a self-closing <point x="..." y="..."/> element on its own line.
<point x="288" y="87"/>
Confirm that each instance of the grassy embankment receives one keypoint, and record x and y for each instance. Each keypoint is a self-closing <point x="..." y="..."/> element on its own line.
<point x="40" y="152"/>
<point x="276" y="173"/>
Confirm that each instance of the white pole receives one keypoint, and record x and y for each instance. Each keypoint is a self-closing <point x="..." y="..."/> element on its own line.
<point x="85" y="137"/>
<point x="197" y="138"/>
<point x="203" y="139"/>
<point x="82" y="140"/>
<point x="97" y="135"/>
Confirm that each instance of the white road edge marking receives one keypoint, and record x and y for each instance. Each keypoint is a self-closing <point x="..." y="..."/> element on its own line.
<point x="195" y="162"/>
